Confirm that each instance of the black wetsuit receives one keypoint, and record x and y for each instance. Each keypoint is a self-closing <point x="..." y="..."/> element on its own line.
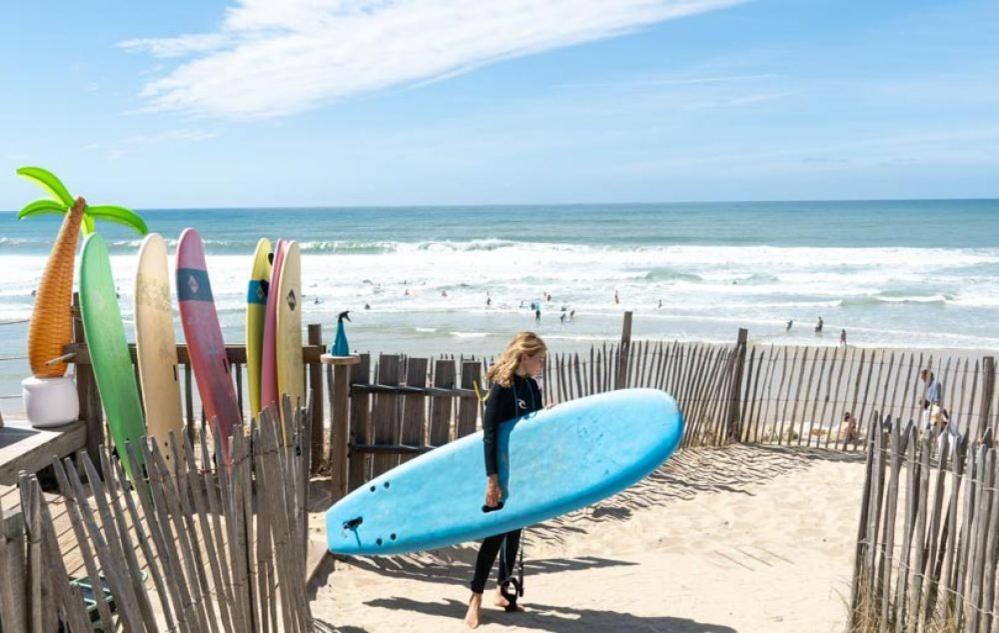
<point x="504" y="403"/>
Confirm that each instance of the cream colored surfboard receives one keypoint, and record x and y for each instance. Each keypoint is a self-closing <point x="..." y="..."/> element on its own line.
<point x="156" y="347"/>
<point x="290" y="370"/>
<point x="256" y="308"/>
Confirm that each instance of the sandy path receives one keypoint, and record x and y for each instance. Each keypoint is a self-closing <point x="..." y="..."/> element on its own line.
<point x="747" y="539"/>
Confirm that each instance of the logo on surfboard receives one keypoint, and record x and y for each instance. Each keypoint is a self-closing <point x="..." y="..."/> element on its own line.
<point x="193" y="285"/>
<point x="291" y="299"/>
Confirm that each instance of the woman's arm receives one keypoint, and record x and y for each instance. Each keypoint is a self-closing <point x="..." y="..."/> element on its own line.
<point x="490" y="424"/>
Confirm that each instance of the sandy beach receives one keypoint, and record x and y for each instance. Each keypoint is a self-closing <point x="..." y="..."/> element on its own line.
<point x="746" y="539"/>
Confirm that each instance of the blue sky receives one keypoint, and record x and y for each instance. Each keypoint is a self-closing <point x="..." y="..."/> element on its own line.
<point x="370" y="102"/>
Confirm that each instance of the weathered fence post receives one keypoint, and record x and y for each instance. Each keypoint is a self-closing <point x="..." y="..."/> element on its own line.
<point x="86" y="387"/>
<point x="339" y="397"/>
<point x="621" y="378"/>
<point x="359" y="464"/>
<point x="316" y="401"/>
<point x="468" y="406"/>
<point x="735" y="389"/>
<point x="988" y="392"/>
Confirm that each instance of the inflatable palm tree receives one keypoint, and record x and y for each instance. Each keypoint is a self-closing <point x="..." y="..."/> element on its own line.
<point x="50" y="328"/>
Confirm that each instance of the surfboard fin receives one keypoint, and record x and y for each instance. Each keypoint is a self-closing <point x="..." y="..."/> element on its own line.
<point x="353" y="523"/>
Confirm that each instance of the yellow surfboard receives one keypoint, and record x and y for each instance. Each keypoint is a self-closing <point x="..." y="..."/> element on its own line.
<point x="256" y="308"/>
<point x="290" y="369"/>
<point x="156" y="347"/>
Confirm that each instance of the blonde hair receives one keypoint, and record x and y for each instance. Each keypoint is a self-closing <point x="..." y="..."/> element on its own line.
<point x="502" y="370"/>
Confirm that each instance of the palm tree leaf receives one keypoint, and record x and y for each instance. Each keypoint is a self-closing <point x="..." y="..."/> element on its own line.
<point x="87" y="224"/>
<point x="44" y="206"/>
<point x="47" y="181"/>
<point x="118" y="215"/>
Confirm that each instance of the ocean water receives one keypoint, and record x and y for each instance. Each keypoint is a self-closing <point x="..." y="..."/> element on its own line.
<point x="892" y="273"/>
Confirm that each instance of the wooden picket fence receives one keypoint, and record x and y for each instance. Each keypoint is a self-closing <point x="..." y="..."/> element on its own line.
<point x="786" y="395"/>
<point x="195" y="546"/>
<point x="928" y="538"/>
<point x="404" y="406"/>
<point x="800" y="395"/>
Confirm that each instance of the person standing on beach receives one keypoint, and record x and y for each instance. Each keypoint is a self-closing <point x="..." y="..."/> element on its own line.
<point x="513" y="393"/>
<point x="934" y="393"/>
<point x="537" y="314"/>
<point x="617" y="298"/>
<point x="842" y="337"/>
<point x="818" y="326"/>
<point x="931" y="400"/>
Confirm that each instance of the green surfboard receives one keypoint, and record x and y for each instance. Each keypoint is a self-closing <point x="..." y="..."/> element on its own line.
<point x="108" y="349"/>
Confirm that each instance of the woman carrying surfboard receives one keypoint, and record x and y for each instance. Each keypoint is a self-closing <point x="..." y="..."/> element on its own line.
<point x="514" y="393"/>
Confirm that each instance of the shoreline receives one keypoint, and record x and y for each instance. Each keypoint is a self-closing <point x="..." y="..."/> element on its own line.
<point x="425" y="344"/>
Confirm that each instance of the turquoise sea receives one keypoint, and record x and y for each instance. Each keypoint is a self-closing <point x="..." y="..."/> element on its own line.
<point x="892" y="273"/>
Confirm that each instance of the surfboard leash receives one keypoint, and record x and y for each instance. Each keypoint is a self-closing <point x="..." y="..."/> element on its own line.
<point x="512" y="587"/>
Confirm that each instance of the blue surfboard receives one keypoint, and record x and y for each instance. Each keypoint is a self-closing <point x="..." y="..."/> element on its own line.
<point x="550" y="463"/>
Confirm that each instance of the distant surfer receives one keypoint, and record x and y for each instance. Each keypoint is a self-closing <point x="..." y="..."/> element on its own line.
<point x="444" y="293"/>
<point x="660" y="305"/>
<point x="842" y="337"/>
<point x="513" y="393"/>
<point x="818" y="326"/>
<point x="790" y="324"/>
<point x="537" y="314"/>
<point x="572" y="315"/>
<point x="617" y="298"/>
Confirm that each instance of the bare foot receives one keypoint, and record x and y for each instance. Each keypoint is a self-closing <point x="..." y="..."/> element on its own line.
<point x="472" y="616"/>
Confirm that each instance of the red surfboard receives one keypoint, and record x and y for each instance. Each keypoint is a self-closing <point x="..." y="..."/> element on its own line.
<point x="268" y="360"/>
<point x="205" y="346"/>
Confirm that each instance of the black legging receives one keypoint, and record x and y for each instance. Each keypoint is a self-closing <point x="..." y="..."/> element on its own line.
<point x="487" y="556"/>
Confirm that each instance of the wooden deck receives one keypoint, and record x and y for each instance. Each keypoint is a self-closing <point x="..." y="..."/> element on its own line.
<point x="68" y="544"/>
<point x="23" y="447"/>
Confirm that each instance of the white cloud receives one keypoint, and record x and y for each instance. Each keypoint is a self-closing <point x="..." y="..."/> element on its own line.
<point x="277" y="57"/>
<point x="180" y="46"/>
<point x="180" y="135"/>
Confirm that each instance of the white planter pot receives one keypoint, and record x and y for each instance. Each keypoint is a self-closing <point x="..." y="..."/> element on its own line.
<point x="50" y="401"/>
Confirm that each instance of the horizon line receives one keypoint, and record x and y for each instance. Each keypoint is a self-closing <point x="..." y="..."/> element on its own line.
<point x="484" y="205"/>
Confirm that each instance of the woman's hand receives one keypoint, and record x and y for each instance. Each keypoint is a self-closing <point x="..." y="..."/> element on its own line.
<point x="493" y="492"/>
